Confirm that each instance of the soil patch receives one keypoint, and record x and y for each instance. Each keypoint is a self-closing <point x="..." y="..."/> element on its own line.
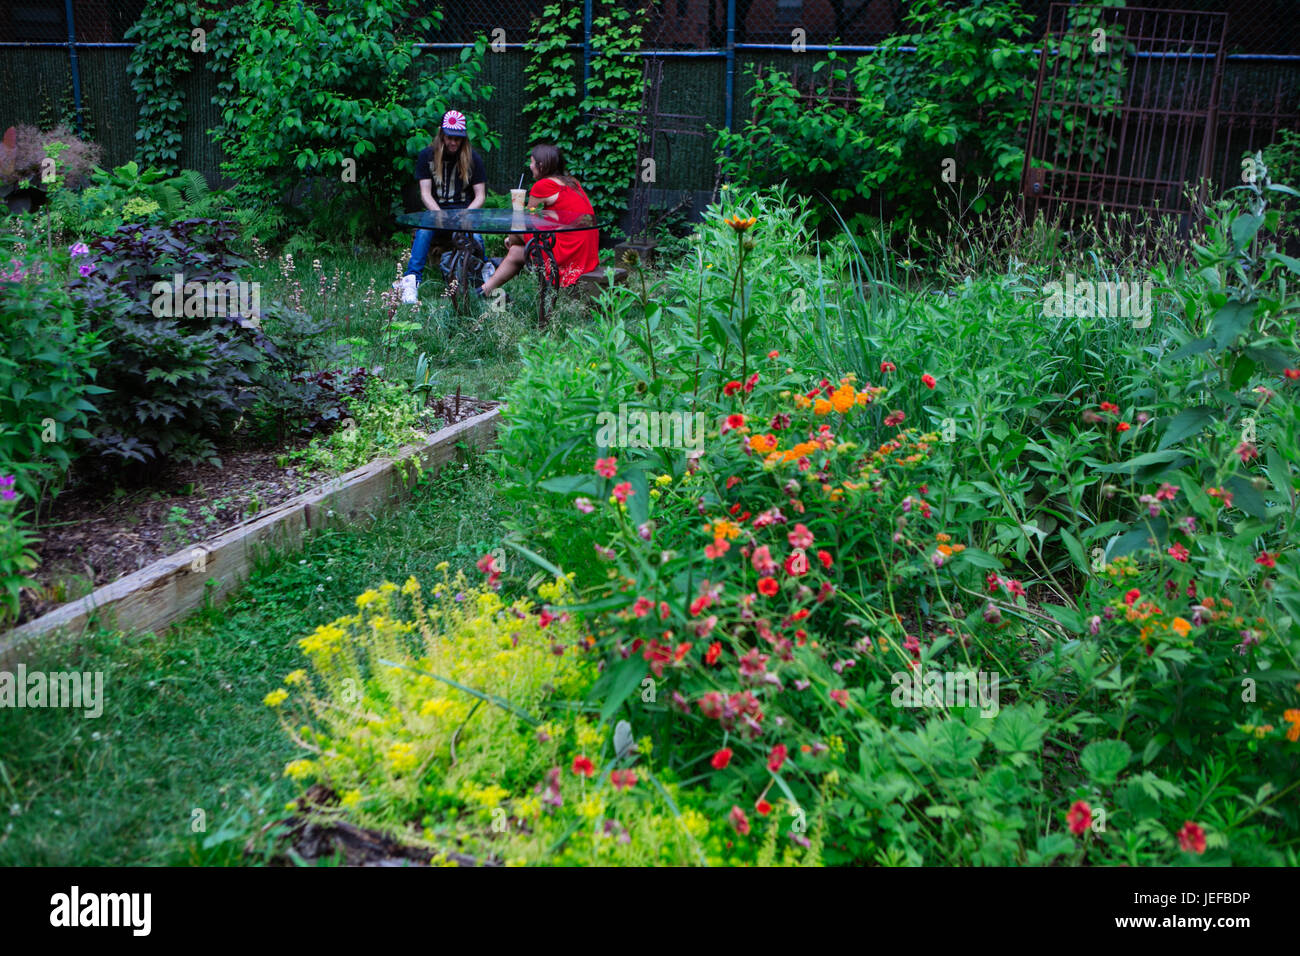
<point x="95" y="533"/>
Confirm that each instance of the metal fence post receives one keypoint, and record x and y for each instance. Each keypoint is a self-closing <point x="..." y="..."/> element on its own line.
<point x="586" y="46"/>
<point x="76" y="71"/>
<point x="731" y="64"/>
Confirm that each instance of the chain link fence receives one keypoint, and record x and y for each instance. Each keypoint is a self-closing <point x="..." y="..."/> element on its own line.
<point x="61" y="60"/>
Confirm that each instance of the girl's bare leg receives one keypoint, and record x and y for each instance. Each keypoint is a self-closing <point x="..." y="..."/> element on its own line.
<point x="510" y="265"/>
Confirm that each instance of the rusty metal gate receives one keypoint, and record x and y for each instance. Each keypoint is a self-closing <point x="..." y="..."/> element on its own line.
<point x="1125" y="110"/>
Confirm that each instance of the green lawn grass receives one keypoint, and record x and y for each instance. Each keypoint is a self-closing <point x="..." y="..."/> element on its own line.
<point x="184" y="726"/>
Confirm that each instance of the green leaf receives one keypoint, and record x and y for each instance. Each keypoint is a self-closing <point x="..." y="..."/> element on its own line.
<point x="1020" y="729"/>
<point x="1104" y="760"/>
<point x="1188" y="422"/>
<point x="1245" y="497"/>
<point x="1230" y="321"/>
<point x="571" y="484"/>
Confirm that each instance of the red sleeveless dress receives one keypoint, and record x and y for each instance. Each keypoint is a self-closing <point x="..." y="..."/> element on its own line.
<point x="576" y="253"/>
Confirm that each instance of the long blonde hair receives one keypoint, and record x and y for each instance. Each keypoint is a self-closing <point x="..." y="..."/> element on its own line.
<point x="464" y="159"/>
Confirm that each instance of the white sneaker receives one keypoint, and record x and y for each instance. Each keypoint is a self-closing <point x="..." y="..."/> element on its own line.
<point x="407" y="286"/>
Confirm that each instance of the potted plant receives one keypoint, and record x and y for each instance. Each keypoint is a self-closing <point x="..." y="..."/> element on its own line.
<point x="31" y="159"/>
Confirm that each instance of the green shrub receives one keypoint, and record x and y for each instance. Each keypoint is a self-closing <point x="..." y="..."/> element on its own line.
<point x="177" y="382"/>
<point x="319" y="88"/>
<point x="48" y="367"/>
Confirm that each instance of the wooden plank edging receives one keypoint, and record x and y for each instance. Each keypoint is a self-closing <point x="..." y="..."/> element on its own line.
<point x="170" y="588"/>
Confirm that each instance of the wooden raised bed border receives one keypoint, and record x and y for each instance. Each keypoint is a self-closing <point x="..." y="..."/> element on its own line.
<point x="156" y="596"/>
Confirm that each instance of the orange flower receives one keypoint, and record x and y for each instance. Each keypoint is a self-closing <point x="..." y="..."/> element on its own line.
<point x="763" y="444"/>
<point x="726" y="529"/>
<point x="740" y="225"/>
<point x="842" y="398"/>
<point x="821" y="407"/>
<point x="1181" y="626"/>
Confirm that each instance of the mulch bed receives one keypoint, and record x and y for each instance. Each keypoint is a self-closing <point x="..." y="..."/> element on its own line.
<point x="313" y="841"/>
<point x="95" y="533"/>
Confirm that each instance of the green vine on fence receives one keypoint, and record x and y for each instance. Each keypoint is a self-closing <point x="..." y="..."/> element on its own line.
<point x="561" y="114"/>
<point x="169" y="36"/>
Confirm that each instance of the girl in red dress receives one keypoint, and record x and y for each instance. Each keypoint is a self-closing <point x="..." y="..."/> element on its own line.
<point x="576" y="253"/>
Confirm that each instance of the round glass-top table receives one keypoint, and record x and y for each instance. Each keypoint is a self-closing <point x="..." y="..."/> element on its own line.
<point x="540" y="225"/>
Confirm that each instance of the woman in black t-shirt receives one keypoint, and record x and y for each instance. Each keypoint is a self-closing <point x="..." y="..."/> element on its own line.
<point x="451" y="175"/>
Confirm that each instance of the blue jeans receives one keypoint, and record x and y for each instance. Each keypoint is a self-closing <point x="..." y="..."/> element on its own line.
<point x="423" y="242"/>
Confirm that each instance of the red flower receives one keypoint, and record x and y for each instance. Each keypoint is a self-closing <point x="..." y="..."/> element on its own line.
<point x="1246" y="451"/>
<point x="739" y="821"/>
<point x="721" y="758"/>
<point x="583" y="766"/>
<point x="622" y="490"/>
<point x="1266" y="559"/>
<point x="622" y="779"/>
<point x="751" y="382"/>
<point x="719" y="547"/>
<point x="796" y="564"/>
<point x="731" y="388"/>
<point x="840" y="697"/>
<point x="776" y="758"/>
<point x="888" y="367"/>
<point x="1079" y="818"/>
<point x="773" y="354"/>
<point x="894" y="418"/>
<point x="928" y="380"/>
<point x="825" y="558"/>
<point x="607" y="467"/>
<point x="1123" y="427"/>
<point x="768" y="587"/>
<point x="713" y="653"/>
<point x="1109" y="407"/>
<point x="735" y="420"/>
<point x="1131" y="595"/>
<point x="734" y="479"/>
<point x="545" y="618"/>
<point x="1292" y="373"/>
<point x="763" y="807"/>
<point x="1192" y="838"/>
<point x="1178" y="552"/>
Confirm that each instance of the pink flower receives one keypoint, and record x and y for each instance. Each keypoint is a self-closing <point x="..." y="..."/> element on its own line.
<point x="894" y="418"/>
<point x="584" y="505"/>
<point x="762" y="561"/>
<point x="1266" y="559"/>
<point x="622" y="779"/>
<point x="78" y="249"/>
<point x="642" y="607"/>
<point x="1178" y="552"/>
<point x="1166" y="492"/>
<point x="622" y="491"/>
<point x="776" y="758"/>
<point x="739" y="821"/>
<point x="607" y="467"/>
<point x="1246" y="451"/>
<point x="85" y="269"/>
<point x="800" y="537"/>
<point x="840" y="697"/>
